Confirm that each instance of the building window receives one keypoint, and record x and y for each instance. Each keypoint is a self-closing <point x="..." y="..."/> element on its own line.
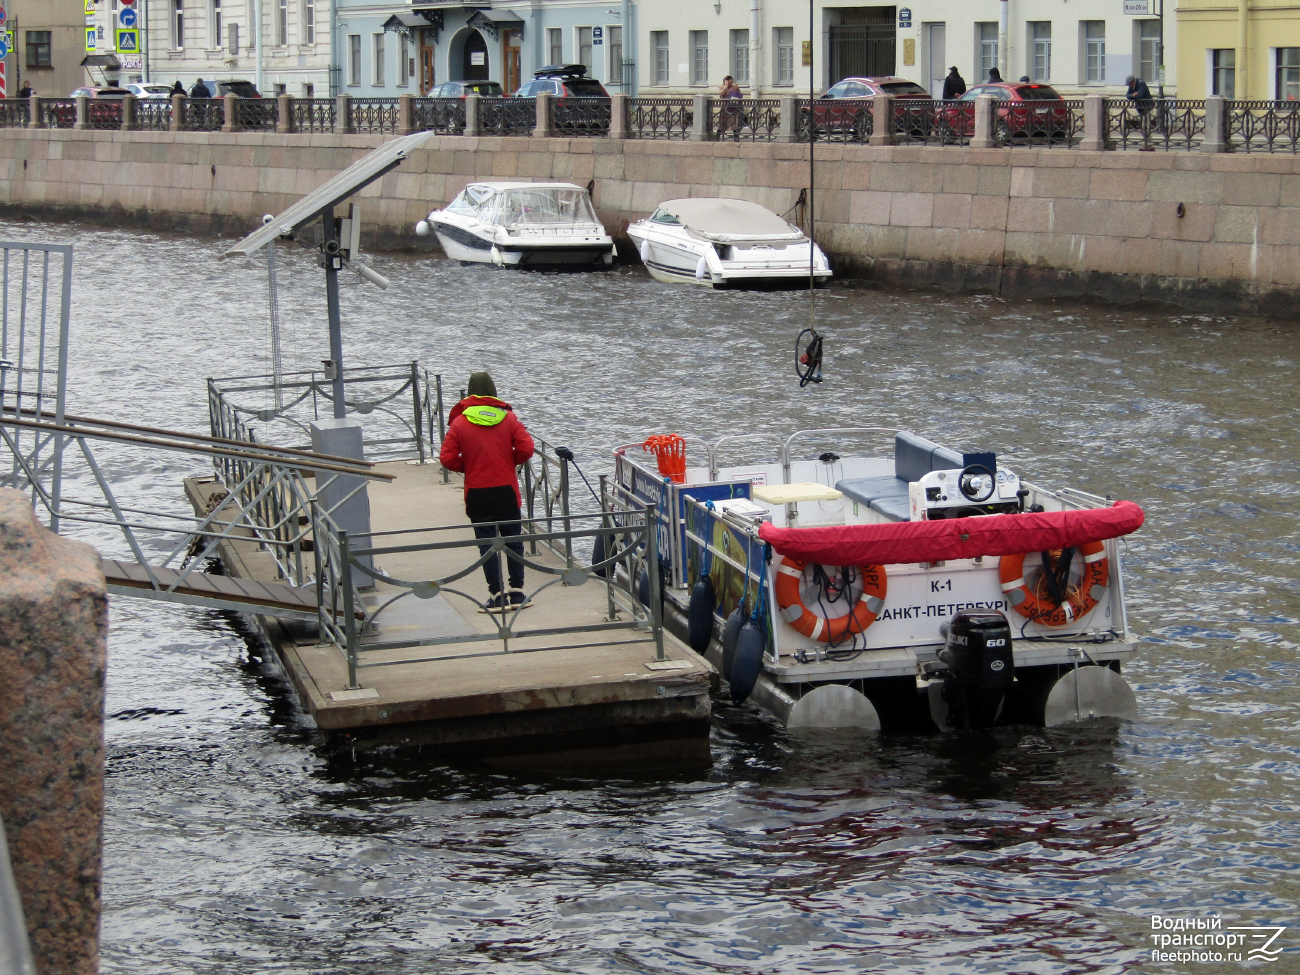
<point x="178" y="24"/>
<point x="783" y="43"/>
<point x="309" y="21"/>
<point x="986" y="51"/>
<point x="1040" y="50"/>
<point x="555" y="39"/>
<point x="354" y="59"/>
<point x="584" y="47"/>
<point x="699" y="57"/>
<point x="282" y="23"/>
<point x="281" y="90"/>
<point x="233" y="31"/>
<point x="378" y="78"/>
<point x="659" y="44"/>
<point x="214" y="25"/>
<point x="1223" y="72"/>
<point x="1150" y="57"/>
<point x="740" y="56"/>
<point x="403" y="54"/>
<point x="1094" y="52"/>
<point x="615" y="35"/>
<point x="1288" y="74"/>
<point x="38" y="49"/>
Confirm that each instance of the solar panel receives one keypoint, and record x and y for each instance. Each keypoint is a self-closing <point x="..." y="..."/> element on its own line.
<point x="352" y="180"/>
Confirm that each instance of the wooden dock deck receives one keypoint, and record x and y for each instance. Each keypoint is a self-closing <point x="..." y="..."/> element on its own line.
<point x="598" y="696"/>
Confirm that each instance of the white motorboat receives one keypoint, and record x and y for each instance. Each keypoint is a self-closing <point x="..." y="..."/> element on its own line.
<point x="923" y="588"/>
<point x="522" y="225"/>
<point x="719" y="242"/>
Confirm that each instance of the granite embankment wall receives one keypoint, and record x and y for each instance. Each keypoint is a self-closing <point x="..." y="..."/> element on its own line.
<point x="1198" y="229"/>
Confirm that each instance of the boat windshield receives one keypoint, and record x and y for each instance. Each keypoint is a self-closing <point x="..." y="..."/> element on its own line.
<point x="549" y="207"/>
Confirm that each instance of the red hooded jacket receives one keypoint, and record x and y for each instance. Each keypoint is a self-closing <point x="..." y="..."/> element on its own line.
<point x="487" y="444"/>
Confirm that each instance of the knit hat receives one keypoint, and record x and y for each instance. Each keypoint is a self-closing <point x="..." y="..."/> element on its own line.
<point x="481" y="384"/>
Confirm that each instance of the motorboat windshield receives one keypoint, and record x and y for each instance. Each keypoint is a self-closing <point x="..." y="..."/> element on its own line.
<point x="549" y="207"/>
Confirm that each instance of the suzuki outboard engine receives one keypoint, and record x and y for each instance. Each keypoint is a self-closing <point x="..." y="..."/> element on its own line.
<point x="979" y="667"/>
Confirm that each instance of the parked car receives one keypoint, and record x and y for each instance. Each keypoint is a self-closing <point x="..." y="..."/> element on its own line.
<point x="1023" y="111"/>
<point x="105" y="110"/>
<point x="844" y="107"/>
<point x="459" y="89"/>
<point x="570" y="81"/>
<point x="149" y="91"/>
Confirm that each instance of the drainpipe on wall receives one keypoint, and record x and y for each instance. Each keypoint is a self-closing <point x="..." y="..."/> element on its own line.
<point x="334" y="51"/>
<point x="629" y="49"/>
<point x="1241" y="87"/>
<point x="144" y="43"/>
<point x="1003" y="18"/>
<point x="755" y="48"/>
<point x="257" y="37"/>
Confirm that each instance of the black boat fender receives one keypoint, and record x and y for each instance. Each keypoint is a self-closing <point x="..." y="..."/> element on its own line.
<point x="730" y="634"/>
<point x="748" y="661"/>
<point x="699" y="615"/>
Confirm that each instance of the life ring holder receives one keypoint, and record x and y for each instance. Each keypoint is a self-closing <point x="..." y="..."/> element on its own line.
<point x="789" y="575"/>
<point x="1081" y="602"/>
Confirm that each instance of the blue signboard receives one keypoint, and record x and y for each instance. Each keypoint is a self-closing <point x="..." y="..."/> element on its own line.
<point x="904" y="16"/>
<point x="126" y="17"/>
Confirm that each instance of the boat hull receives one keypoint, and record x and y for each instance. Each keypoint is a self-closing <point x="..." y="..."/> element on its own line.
<point x="461" y="244"/>
<point x="679" y="262"/>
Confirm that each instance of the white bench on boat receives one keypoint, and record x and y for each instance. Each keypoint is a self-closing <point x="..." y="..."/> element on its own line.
<point x="794" y="493"/>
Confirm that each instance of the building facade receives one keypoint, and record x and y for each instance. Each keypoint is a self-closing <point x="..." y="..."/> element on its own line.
<point x="47" y="43"/>
<point x="216" y="40"/>
<point x="1077" y="46"/>
<point x="386" y="49"/>
<point x="1239" y="49"/>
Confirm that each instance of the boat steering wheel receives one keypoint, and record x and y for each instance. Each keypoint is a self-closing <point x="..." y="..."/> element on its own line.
<point x="976" y="483"/>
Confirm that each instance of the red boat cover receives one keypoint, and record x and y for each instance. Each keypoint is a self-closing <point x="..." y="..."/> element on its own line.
<point x="955" y="538"/>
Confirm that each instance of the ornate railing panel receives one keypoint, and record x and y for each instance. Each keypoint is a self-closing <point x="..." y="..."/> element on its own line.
<point x="748" y="119"/>
<point x="153" y="114"/>
<point x="257" y="113"/>
<point x="1051" y="123"/>
<point x="104" y="113"/>
<point x="1263" y="126"/>
<point x="374" y="115"/>
<point x="836" y="119"/>
<point x="58" y="113"/>
<point x="15" y="113"/>
<point x="660" y="118"/>
<point x="507" y="116"/>
<point x="205" y="114"/>
<point x="314" y="114"/>
<point x="443" y="115"/>
<point x="575" y="116"/>
<point x="1167" y="124"/>
<point x="926" y="121"/>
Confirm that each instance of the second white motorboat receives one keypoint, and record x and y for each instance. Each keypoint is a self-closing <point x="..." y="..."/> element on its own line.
<point x="522" y="225"/>
<point x="718" y="242"/>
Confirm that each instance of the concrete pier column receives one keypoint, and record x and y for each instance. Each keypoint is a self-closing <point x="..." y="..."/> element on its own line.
<point x="618" y="107"/>
<point x="544" y="128"/>
<point x="128" y="113"/>
<point x="473" y="123"/>
<point x="982" y="137"/>
<point x="1216" y="124"/>
<point x="343" y="115"/>
<point x="702" y="123"/>
<point x="83" y="112"/>
<point x="882" y="119"/>
<point x="34" y="122"/>
<point x="178" y="113"/>
<point x="789" y="128"/>
<point x="1095" y="117"/>
<point x="231" y="105"/>
<point x="405" y="115"/>
<point x="284" y="113"/>
<point x="53" y="628"/>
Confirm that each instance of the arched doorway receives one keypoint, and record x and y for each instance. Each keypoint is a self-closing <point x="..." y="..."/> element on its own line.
<point x="475" y="64"/>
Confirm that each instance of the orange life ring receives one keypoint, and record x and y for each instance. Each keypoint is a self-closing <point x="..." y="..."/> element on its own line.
<point x="1039" y="608"/>
<point x="789" y="574"/>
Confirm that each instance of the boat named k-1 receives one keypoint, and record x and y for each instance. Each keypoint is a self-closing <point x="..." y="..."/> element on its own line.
<point x="930" y="588"/>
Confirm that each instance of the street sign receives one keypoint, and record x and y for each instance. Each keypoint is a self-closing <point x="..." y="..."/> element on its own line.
<point x="128" y="41"/>
<point x="4" y="84"/>
<point x="1137" y="8"/>
<point x="92" y="39"/>
<point x="126" y="17"/>
<point x="127" y="3"/>
<point x="90" y="7"/>
<point x="4" y="49"/>
<point x="904" y="16"/>
<point x="2" y="15"/>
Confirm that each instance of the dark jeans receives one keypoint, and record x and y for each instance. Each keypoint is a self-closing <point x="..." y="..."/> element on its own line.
<point x="497" y="504"/>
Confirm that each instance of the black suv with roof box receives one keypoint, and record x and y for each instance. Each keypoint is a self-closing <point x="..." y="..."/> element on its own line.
<point x="576" y="106"/>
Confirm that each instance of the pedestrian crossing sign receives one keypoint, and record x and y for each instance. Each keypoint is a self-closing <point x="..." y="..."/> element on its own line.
<point x="90" y="7"/>
<point x="92" y="39"/>
<point x="128" y="40"/>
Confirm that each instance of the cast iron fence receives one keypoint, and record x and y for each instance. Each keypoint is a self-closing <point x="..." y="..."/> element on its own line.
<point x="374" y="115"/>
<point x="580" y="116"/>
<point x="1167" y="123"/>
<point x="58" y="113"/>
<point x="205" y="114"/>
<point x="15" y="113"/>
<point x="1047" y="123"/>
<point x="660" y="118"/>
<point x="442" y="115"/>
<point x="835" y="119"/>
<point x="931" y="121"/>
<point x="153" y="114"/>
<point x="507" y="116"/>
<point x="257" y="114"/>
<point x="313" y="114"/>
<point x="1263" y="126"/>
<point x="748" y="119"/>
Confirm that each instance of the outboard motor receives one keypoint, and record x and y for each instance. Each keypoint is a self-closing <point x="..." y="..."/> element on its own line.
<point x="979" y="667"/>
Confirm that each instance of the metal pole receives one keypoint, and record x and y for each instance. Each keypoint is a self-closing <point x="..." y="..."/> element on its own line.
<point x="607" y="522"/>
<point x="349" y="610"/>
<point x="332" y="262"/>
<point x="652" y="570"/>
<point x="257" y="39"/>
<point x="144" y="41"/>
<point x="442" y="427"/>
<point x="1160" y="65"/>
<point x="1004" y="16"/>
<point x="415" y="402"/>
<point x="564" y="509"/>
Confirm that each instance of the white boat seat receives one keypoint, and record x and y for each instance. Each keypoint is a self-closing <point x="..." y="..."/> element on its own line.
<point x="794" y="493"/>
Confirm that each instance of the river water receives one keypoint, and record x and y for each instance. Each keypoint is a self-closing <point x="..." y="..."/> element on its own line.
<point x="235" y="843"/>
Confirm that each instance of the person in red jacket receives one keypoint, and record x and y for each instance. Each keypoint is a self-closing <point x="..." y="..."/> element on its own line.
<point x="486" y="442"/>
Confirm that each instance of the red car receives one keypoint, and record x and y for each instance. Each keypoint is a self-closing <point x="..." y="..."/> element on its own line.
<point x="1023" y="111"/>
<point x="845" y="108"/>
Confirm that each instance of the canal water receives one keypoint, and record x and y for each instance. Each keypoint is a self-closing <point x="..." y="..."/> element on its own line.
<point x="235" y="843"/>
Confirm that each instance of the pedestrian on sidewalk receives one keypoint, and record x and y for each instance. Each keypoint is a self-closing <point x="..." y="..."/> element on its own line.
<point x="26" y="90"/>
<point x="954" y="86"/>
<point x="995" y="76"/>
<point x="1140" y="100"/>
<point x="729" y="94"/>
<point x="486" y="442"/>
<point x="178" y="88"/>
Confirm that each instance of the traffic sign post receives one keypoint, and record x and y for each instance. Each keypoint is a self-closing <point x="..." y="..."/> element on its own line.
<point x="128" y="41"/>
<point x="92" y="39"/>
<point x="2" y="15"/>
<point x="126" y="17"/>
